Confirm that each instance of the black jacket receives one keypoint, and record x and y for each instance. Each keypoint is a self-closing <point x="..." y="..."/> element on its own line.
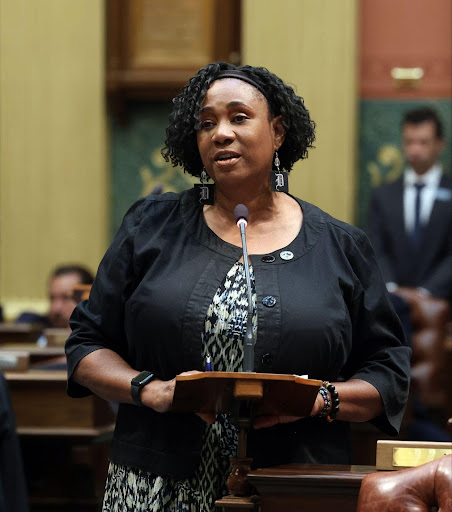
<point x="332" y="319"/>
<point x="429" y="266"/>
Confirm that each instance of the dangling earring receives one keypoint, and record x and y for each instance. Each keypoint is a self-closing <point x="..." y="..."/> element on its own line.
<point x="206" y="192"/>
<point x="279" y="179"/>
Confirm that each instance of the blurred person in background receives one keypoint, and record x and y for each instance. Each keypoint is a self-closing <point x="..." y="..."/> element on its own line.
<point x="410" y="220"/>
<point x="410" y="228"/>
<point x="60" y="292"/>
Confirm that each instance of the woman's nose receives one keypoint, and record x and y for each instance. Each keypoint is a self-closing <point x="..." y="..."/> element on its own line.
<point x="223" y="132"/>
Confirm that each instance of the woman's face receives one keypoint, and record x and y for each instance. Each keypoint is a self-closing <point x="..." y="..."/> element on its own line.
<point x="237" y="137"/>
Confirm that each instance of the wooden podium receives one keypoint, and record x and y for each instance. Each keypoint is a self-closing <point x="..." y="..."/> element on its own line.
<point x="246" y="396"/>
<point x="217" y="392"/>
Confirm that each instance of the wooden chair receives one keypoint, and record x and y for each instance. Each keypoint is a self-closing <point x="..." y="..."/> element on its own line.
<point x="432" y="351"/>
<point x="431" y="376"/>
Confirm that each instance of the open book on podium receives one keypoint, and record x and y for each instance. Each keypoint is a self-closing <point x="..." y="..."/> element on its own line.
<point x="274" y="394"/>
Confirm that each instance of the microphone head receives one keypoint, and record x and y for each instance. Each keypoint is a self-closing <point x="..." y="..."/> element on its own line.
<point x="241" y="212"/>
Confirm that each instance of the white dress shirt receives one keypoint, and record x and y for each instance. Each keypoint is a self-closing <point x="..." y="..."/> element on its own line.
<point x="431" y="180"/>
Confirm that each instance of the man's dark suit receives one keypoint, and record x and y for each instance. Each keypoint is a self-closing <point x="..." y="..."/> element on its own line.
<point x="429" y="266"/>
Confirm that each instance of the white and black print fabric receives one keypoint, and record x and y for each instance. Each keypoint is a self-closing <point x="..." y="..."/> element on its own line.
<point x="134" y="490"/>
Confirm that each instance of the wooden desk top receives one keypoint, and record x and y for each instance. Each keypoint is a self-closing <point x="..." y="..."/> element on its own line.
<point x="33" y="349"/>
<point x="100" y="433"/>
<point x="302" y="487"/>
<point x="297" y="479"/>
<point x="19" y="333"/>
<point x="312" y="471"/>
<point x="35" y="354"/>
<point x="37" y="376"/>
<point x="10" y="328"/>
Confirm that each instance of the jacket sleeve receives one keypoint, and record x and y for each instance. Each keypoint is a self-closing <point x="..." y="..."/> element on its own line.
<point x="378" y="235"/>
<point x="379" y="353"/>
<point x="99" y="321"/>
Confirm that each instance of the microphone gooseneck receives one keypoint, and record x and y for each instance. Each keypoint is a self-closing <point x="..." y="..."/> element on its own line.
<point x="241" y="218"/>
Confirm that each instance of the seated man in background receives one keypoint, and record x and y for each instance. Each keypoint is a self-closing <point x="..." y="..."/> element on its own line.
<point x="410" y="227"/>
<point x="60" y="290"/>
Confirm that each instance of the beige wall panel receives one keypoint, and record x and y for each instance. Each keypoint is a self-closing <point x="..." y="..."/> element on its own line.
<point x="53" y="141"/>
<point x="311" y="44"/>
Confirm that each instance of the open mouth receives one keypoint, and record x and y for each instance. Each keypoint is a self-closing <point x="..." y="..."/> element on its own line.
<point x="226" y="158"/>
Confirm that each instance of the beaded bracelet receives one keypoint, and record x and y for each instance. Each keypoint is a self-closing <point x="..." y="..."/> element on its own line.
<point x="334" y="401"/>
<point x="326" y="402"/>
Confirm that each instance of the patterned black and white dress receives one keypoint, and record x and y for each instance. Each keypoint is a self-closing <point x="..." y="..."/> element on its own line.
<point x="134" y="490"/>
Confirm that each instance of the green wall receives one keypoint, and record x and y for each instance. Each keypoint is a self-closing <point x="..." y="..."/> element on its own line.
<point x="136" y="163"/>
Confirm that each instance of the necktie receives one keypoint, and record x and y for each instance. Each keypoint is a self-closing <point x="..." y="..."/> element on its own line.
<point x="417" y="231"/>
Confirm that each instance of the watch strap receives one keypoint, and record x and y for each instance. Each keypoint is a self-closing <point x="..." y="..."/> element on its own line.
<point x="138" y="383"/>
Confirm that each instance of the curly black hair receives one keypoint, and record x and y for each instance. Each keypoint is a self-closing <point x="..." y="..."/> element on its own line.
<point x="181" y="145"/>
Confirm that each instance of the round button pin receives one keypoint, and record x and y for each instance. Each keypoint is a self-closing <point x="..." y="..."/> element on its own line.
<point x="286" y="255"/>
<point x="269" y="301"/>
<point x="268" y="258"/>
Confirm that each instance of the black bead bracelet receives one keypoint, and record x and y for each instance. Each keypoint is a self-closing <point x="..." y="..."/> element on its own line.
<point x="334" y="401"/>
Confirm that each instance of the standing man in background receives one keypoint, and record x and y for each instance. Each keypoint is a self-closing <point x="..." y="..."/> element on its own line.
<point x="410" y="220"/>
<point x="410" y="227"/>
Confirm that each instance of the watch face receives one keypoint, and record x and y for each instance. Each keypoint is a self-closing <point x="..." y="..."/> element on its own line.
<point x="142" y="378"/>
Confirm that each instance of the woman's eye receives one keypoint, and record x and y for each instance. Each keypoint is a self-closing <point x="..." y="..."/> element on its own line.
<point x="240" y="118"/>
<point x="206" y="124"/>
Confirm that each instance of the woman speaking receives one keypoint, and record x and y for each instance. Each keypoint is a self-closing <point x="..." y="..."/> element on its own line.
<point x="171" y="290"/>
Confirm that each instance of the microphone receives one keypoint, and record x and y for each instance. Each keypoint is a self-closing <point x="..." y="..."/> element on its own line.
<point x="241" y="218"/>
<point x="241" y="215"/>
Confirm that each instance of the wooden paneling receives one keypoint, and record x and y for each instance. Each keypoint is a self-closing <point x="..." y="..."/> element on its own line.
<point x="53" y="180"/>
<point x="155" y="46"/>
<point x="309" y="487"/>
<point x="312" y="46"/>
<point x="64" y="441"/>
<point x="41" y="405"/>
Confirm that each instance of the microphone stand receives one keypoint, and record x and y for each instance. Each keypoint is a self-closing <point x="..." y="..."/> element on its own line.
<point x="238" y="484"/>
<point x="248" y="349"/>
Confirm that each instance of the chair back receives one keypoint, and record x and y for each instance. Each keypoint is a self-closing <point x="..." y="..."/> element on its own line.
<point x="425" y="488"/>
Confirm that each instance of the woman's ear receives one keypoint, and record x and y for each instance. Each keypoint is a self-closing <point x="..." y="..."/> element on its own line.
<point x="278" y="131"/>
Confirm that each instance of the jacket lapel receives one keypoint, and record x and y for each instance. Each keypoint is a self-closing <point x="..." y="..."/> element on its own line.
<point x="432" y="233"/>
<point x="397" y="218"/>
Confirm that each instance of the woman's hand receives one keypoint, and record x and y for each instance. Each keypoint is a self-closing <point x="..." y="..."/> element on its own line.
<point x="159" y="395"/>
<point x="270" y="421"/>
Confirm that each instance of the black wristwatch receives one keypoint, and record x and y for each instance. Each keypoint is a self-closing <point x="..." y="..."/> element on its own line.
<point x="138" y="383"/>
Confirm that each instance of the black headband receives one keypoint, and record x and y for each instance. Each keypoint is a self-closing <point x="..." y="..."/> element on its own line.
<point x="240" y="75"/>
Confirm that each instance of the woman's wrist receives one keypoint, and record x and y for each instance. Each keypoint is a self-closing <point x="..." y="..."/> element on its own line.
<point x="334" y="401"/>
<point x="329" y="396"/>
<point x="158" y="394"/>
<point x="326" y="399"/>
<point x="318" y="405"/>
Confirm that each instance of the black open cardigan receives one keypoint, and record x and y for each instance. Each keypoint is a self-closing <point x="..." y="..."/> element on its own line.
<point x="331" y="319"/>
